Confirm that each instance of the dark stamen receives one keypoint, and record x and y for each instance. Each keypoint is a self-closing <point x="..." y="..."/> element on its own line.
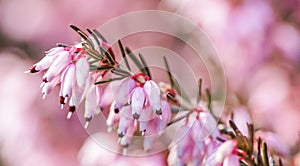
<point x="116" y="110"/>
<point x="136" y="116"/>
<point x="61" y="100"/>
<point x="158" y="112"/>
<point x="120" y="135"/>
<point x="72" y="109"/>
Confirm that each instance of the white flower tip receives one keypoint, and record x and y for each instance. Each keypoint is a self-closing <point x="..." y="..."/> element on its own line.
<point x="143" y="133"/>
<point x="26" y="72"/>
<point x="125" y="150"/>
<point x="146" y="149"/>
<point x="135" y="122"/>
<point x="66" y="99"/>
<point x="62" y="106"/>
<point x="160" y="117"/>
<point x="109" y="129"/>
<point x="86" y="125"/>
<point x="119" y="140"/>
<point x="42" y="84"/>
<point x="44" y="95"/>
<point x="69" y="115"/>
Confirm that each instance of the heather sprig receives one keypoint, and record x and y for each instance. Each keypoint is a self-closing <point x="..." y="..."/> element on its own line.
<point x="138" y="105"/>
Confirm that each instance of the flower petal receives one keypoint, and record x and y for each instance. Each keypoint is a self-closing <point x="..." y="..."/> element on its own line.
<point x="82" y="71"/>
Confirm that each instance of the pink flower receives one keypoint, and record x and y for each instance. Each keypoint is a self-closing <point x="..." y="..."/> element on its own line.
<point x="153" y="93"/>
<point x="225" y="154"/>
<point x="70" y="67"/>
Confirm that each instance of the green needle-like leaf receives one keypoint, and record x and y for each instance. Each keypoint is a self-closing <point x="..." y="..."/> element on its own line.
<point x="146" y="68"/>
<point x="99" y="35"/>
<point x="82" y="35"/>
<point x="168" y="72"/>
<point x="96" y="39"/>
<point x="208" y="94"/>
<point x="199" y="90"/>
<point x="109" y="80"/>
<point x="121" y="72"/>
<point x="96" y="68"/>
<point x="135" y="60"/>
<point x="174" y="83"/>
<point x="109" y="57"/>
<point x="265" y="154"/>
<point x="124" y="54"/>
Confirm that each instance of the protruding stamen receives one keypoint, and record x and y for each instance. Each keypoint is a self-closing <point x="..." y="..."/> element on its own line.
<point x="45" y="80"/>
<point x="121" y="135"/>
<point x="66" y="99"/>
<point x="86" y="125"/>
<point x="87" y="122"/>
<point x="44" y="95"/>
<point x="116" y="110"/>
<point x="109" y="129"/>
<point x="125" y="150"/>
<point x="42" y="84"/>
<point x="158" y="112"/>
<point x="32" y="70"/>
<point x="160" y="117"/>
<point x="143" y="132"/>
<point x="135" y="122"/>
<point x="72" y="109"/>
<point x="61" y="100"/>
<point x="69" y="115"/>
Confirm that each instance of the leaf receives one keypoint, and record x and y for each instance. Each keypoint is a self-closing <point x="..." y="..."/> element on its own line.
<point x="250" y="138"/>
<point x="259" y="159"/>
<point x="199" y="90"/>
<point x="82" y="35"/>
<point x="242" y="142"/>
<point x="208" y="94"/>
<point x="107" y="54"/>
<point x="169" y="72"/>
<point x="280" y="162"/>
<point x="181" y="91"/>
<point x="120" y="72"/>
<point x="177" y="110"/>
<point x="96" y="38"/>
<point x="94" y="54"/>
<point x="61" y="45"/>
<point x="174" y="84"/>
<point x="124" y="54"/>
<point x="145" y="66"/>
<point x="99" y="35"/>
<point x="135" y="60"/>
<point x="109" y="80"/>
<point x="105" y="67"/>
<point x="265" y="154"/>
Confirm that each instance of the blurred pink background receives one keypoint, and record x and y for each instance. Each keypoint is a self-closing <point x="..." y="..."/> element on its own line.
<point x="258" y="42"/>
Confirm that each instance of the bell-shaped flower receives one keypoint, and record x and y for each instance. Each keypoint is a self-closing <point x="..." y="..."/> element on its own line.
<point x="91" y="104"/>
<point x="153" y="92"/>
<point x="138" y="99"/>
<point x="45" y="62"/>
<point x="82" y="71"/>
<point x="125" y="121"/>
<point x="67" y="81"/>
<point x="57" y="66"/>
<point x="113" y="117"/>
<point x="122" y="95"/>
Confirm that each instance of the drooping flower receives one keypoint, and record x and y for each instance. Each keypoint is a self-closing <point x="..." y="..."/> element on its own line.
<point x="69" y="67"/>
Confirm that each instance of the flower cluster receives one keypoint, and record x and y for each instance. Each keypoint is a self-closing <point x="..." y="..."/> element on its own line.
<point x="197" y="142"/>
<point x="138" y="103"/>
